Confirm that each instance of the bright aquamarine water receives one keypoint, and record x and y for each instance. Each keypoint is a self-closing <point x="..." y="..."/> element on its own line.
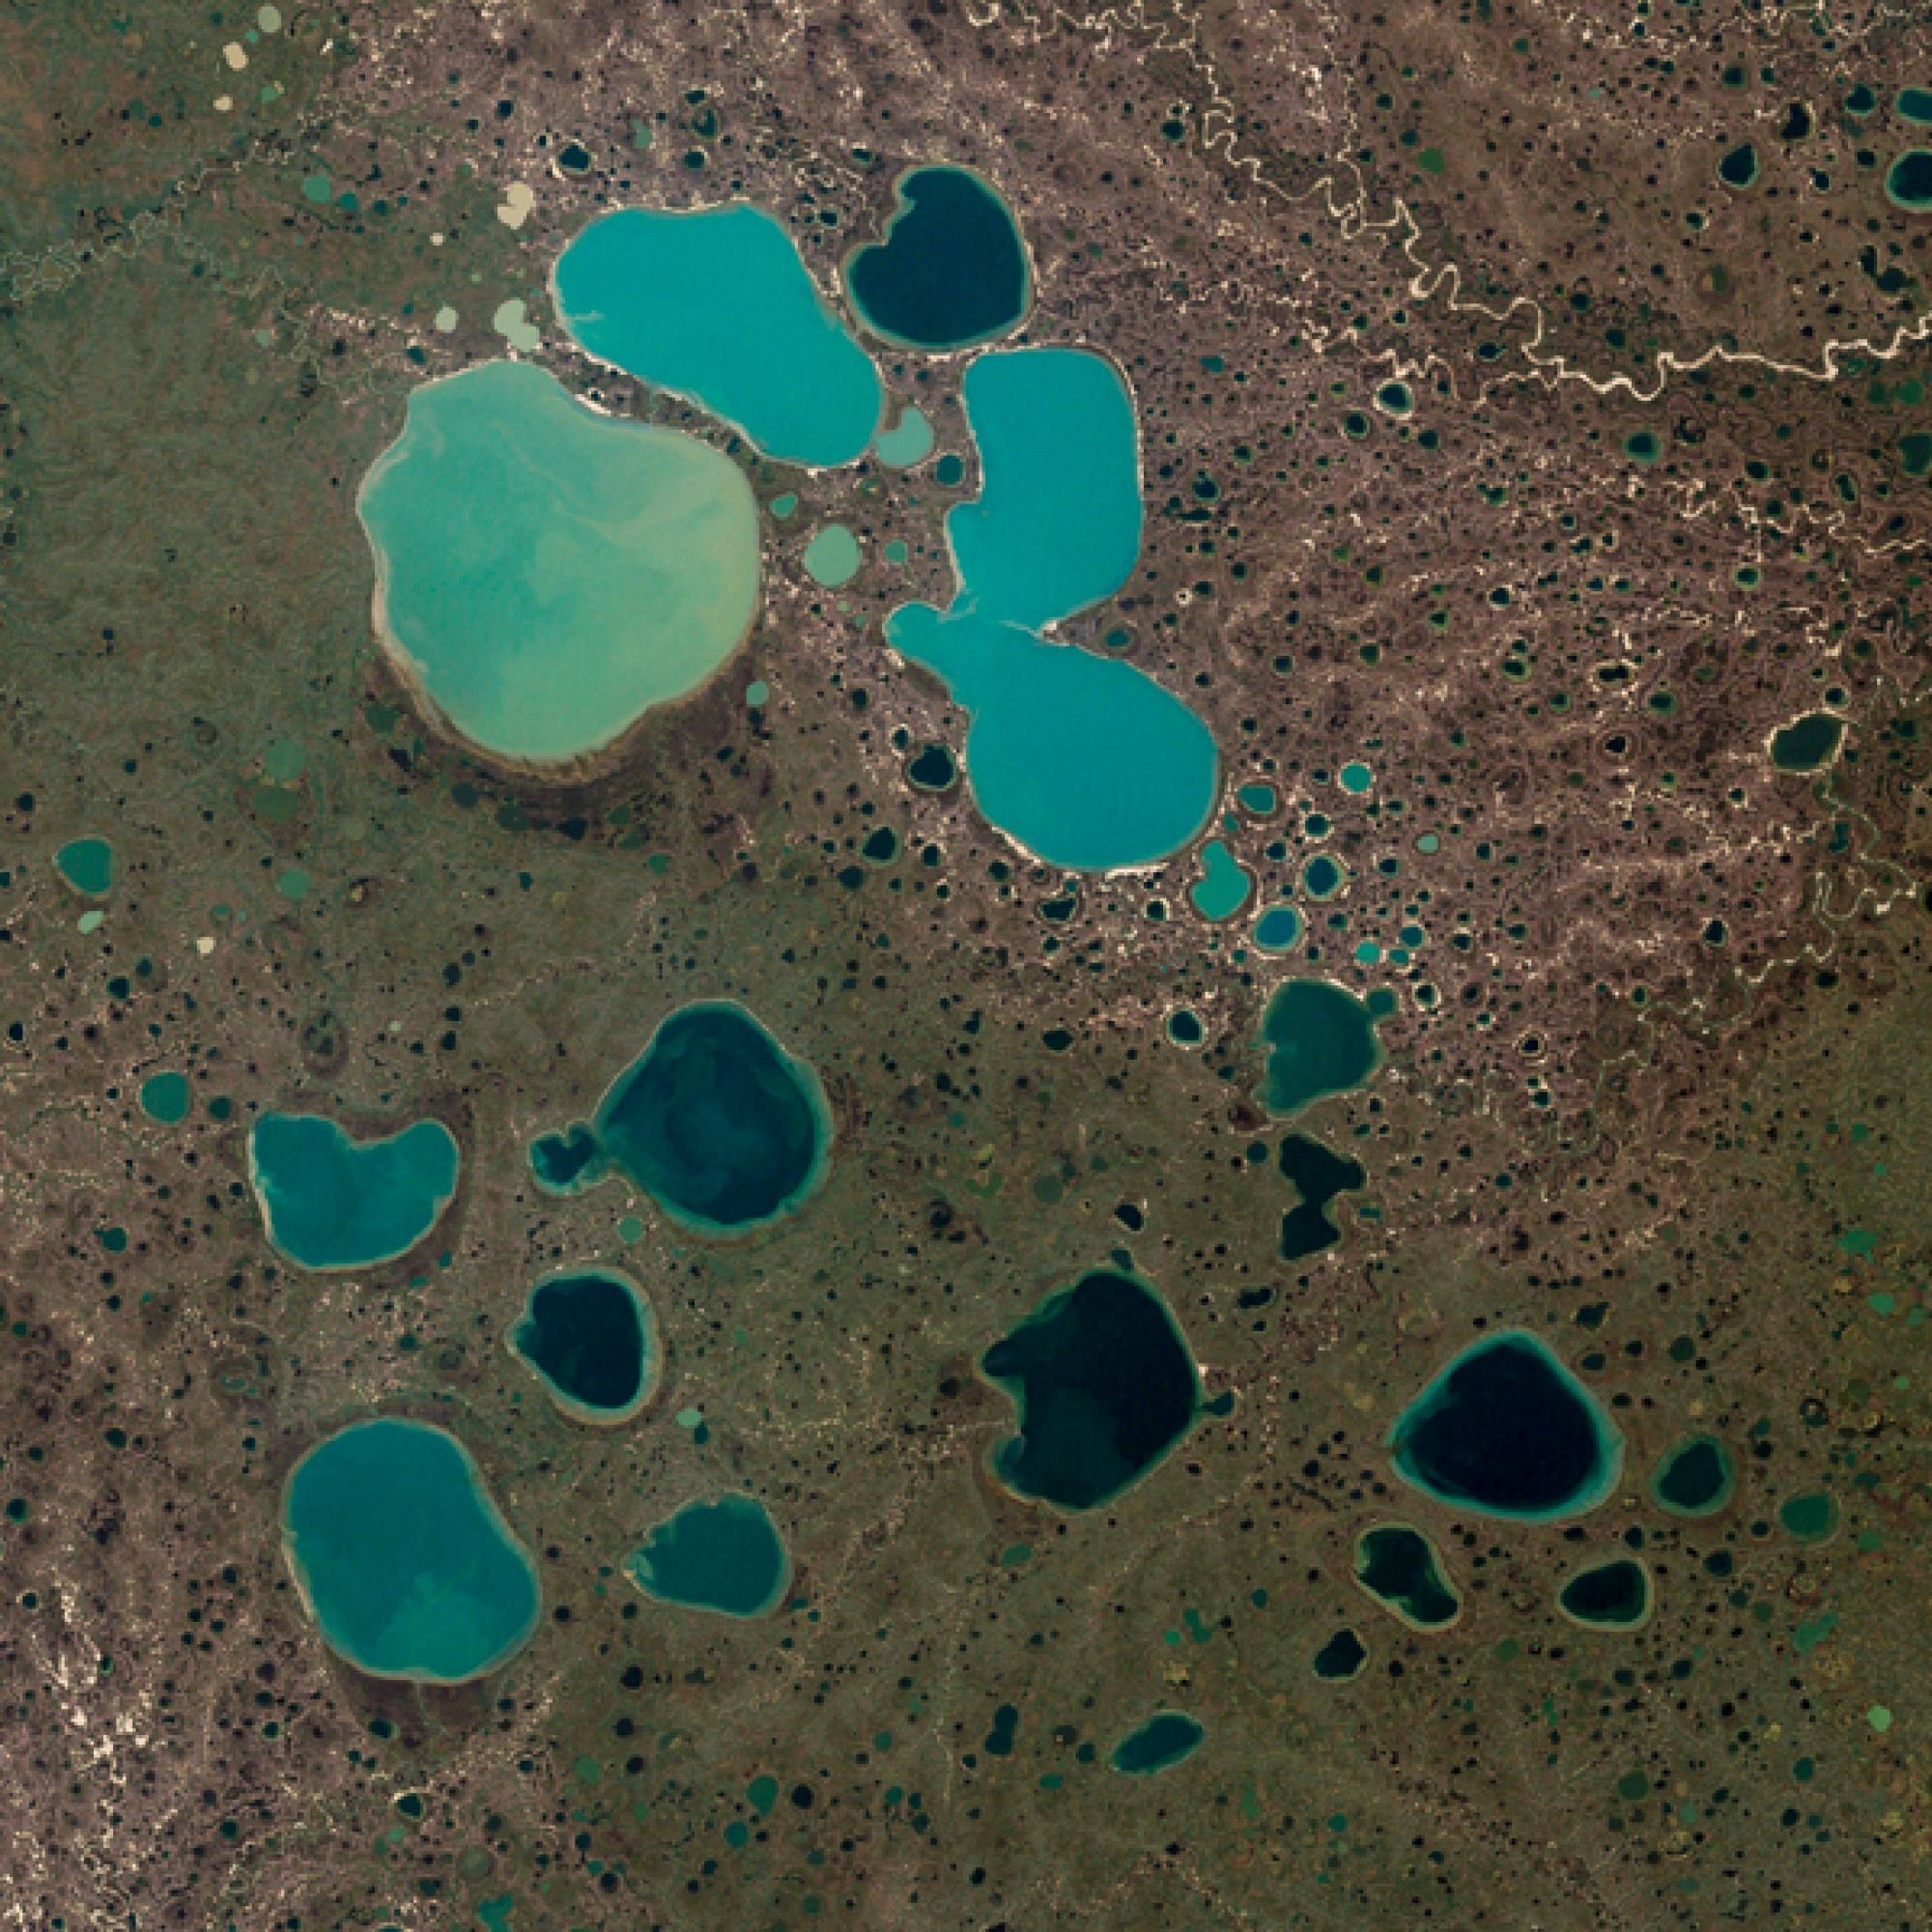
<point x="332" y="1202"/>
<point x="726" y="1556"/>
<point x="545" y="575"/>
<point x="401" y="1556"/>
<point x="718" y="306"/>
<point x="1086" y="761"/>
<point x="832" y="556"/>
<point x="1223" y="888"/>
<point x="907" y="442"/>
<point x="87" y="864"/>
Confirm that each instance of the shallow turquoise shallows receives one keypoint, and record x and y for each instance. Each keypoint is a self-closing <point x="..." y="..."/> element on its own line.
<point x="717" y="305"/>
<point x="1104" y="1386"/>
<point x="87" y="864"/>
<point x="1164" y="1739"/>
<point x="908" y="442"/>
<point x="1320" y="1040"/>
<point x="401" y="1556"/>
<point x="1506" y="1430"/>
<point x="1277" y="930"/>
<point x="951" y="271"/>
<point x="726" y="1556"/>
<point x="588" y="1336"/>
<point x="1087" y="762"/>
<point x="832" y="556"/>
<point x="714" y="1120"/>
<point x="1223" y="888"/>
<point x="544" y="575"/>
<point x="332" y="1202"/>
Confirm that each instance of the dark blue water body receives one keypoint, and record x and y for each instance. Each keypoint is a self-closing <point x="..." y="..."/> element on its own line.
<point x="725" y="1556"/>
<point x="1400" y="1568"/>
<point x="1611" y="1596"/>
<point x="1162" y="1742"/>
<point x="1104" y="1384"/>
<point x="723" y="1128"/>
<point x="952" y="270"/>
<point x="1507" y="1430"/>
<point x="590" y="1336"/>
<point x="1695" y="1478"/>
<point x="1340" y="1661"/>
<point x="1317" y="1175"/>
<point x="402" y="1558"/>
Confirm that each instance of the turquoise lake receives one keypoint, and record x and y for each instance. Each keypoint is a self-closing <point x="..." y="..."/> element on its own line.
<point x="1086" y="761"/>
<point x="908" y="442"/>
<point x="588" y="1336"/>
<point x="951" y="270"/>
<point x="1104" y="1384"/>
<point x="87" y="864"/>
<point x="725" y="1556"/>
<point x="1164" y="1739"/>
<point x="544" y="575"/>
<point x="1506" y="1430"/>
<point x="401" y="1556"/>
<point x="723" y="1128"/>
<point x="329" y="1201"/>
<point x="1317" y="1039"/>
<point x="717" y="306"/>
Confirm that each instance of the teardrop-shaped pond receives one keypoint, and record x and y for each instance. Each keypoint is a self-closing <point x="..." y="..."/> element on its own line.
<point x="1163" y="1740"/>
<point x="332" y="1202"/>
<point x="1104" y="1386"/>
<point x="402" y="1558"/>
<point x="588" y="1336"/>
<point x="721" y="1127"/>
<point x="1507" y="1430"/>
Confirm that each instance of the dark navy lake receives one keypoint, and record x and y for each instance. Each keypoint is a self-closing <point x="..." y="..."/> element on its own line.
<point x="588" y="1336"/>
<point x="1508" y="1431"/>
<point x="952" y="270"/>
<point x="1104" y="1386"/>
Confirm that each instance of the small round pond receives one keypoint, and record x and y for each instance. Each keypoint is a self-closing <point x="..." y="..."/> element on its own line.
<point x="721" y="1127"/>
<point x="723" y="1556"/>
<point x="951" y="270"/>
<point x="588" y="1336"/>
<point x="402" y="1558"/>
<point x="330" y="1202"/>
<point x="1104" y="1386"/>
<point x="1695" y="1478"/>
<point x="543" y="574"/>
<point x="1506" y="1430"/>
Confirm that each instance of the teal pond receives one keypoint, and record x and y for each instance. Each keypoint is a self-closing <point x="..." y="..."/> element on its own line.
<point x="544" y="575"/>
<point x="723" y="1128"/>
<point x="329" y="1201"/>
<point x="401" y="1556"/>
<point x="1317" y="1039"/>
<point x="717" y="306"/>
<point x="723" y="1556"/>
<point x="87" y="864"/>
<point x="832" y="556"/>
<point x="165" y="1097"/>
<point x="1104" y="1386"/>
<point x="1085" y="761"/>
<point x="1695" y="1477"/>
<point x="952" y="270"/>
<point x="1807" y="744"/>
<point x="1506" y="1430"/>
<point x="1223" y="888"/>
<point x="588" y="1336"/>
<point x="1162" y="1742"/>
<point x="908" y="442"/>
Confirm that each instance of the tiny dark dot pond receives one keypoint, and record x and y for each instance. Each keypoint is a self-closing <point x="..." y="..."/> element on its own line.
<point x="1105" y="1385"/>
<point x="1508" y="1431"/>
